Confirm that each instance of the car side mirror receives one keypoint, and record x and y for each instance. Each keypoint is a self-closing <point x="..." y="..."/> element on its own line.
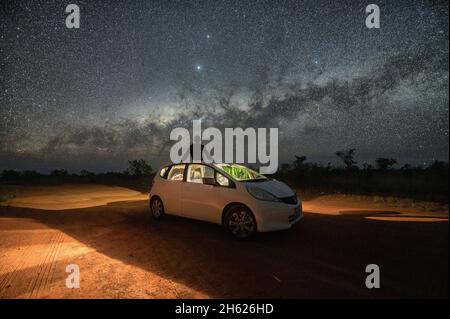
<point x="209" y="181"/>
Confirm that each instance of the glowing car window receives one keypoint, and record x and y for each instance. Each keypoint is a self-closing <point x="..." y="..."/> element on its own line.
<point x="176" y="173"/>
<point x="240" y="173"/>
<point x="197" y="172"/>
<point x="163" y="172"/>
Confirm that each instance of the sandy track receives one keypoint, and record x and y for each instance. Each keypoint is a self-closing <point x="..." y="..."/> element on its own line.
<point x="122" y="253"/>
<point x="73" y="196"/>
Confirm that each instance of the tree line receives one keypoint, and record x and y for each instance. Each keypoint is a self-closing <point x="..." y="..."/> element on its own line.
<point x="383" y="178"/>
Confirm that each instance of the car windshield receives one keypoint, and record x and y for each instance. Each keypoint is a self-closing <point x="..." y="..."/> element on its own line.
<point x="241" y="173"/>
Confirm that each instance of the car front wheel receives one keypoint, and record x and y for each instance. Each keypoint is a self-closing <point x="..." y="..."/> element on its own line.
<point x="157" y="208"/>
<point x="240" y="222"/>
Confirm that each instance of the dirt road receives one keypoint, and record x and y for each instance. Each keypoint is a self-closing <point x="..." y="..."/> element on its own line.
<point x="123" y="253"/>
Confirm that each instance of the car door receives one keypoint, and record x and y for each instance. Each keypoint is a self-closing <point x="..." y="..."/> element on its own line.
<point x="199" y="200"/>
<point x="171" y="192"/>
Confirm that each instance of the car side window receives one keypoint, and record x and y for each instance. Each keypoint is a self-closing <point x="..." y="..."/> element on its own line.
<point x="176" y="173"/>
<point x="222" y="180"/>
<point x="163" y="172"/>
<point x="197" y="172"/>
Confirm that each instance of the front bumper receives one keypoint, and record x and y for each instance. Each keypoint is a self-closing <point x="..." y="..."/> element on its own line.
<point x="272" y="216"/>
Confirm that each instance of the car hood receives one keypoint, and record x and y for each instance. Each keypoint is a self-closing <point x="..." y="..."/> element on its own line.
<point x="276" y="188"/>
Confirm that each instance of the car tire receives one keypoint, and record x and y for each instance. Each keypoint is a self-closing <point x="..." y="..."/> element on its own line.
<point x="240" y="222"/>
<point x="157" y="208"/>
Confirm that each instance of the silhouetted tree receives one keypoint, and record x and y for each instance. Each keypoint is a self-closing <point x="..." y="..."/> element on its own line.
<point x="347" y="157"/>
<point x="285" y="167"/>
<point x="10" y="175"/>
<point x="438" y="166"/>
<point x="31" y="174"/>
<point x="299" y="161"/>
<point x="406" y="167"/>
<point x="139" y="168"/>
<point x="384" y="164"/>
<point x="59" y="173"/>
<point x="86" y="173"/>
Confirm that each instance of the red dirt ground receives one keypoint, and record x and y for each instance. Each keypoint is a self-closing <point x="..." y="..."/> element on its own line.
<point x="123" y="253"/>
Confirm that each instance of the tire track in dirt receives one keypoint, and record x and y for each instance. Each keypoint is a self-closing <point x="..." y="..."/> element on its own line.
<point x="10" y="270"/>
<point x="15" y="268"/>
<point x="46" y="278"/>
<point x="42" y="279"/>
<point x="52" y="271"/>
<point x="35" y="279"/>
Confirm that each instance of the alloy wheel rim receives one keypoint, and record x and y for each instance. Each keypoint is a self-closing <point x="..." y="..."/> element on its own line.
<point x="241" y="224"/>
<point x="156" y="208"/>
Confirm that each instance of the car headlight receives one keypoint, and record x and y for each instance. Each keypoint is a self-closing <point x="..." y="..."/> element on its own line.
<point x="261" y="194"/>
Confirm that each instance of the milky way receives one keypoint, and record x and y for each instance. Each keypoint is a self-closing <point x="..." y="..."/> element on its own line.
<point x="113" y="89"/>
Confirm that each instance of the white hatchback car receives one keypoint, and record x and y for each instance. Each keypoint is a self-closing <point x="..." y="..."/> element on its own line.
<point x="240" y="199"/>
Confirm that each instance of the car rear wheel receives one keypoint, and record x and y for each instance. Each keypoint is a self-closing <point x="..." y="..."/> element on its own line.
<point x="240" y="222"/>
<point x="157" y="208"/>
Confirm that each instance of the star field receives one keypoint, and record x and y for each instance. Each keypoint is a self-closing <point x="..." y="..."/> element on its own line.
<point x="94" y="97"/>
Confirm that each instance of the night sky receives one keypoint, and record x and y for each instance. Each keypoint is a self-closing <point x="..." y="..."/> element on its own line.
<point x="94" y="97"/>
